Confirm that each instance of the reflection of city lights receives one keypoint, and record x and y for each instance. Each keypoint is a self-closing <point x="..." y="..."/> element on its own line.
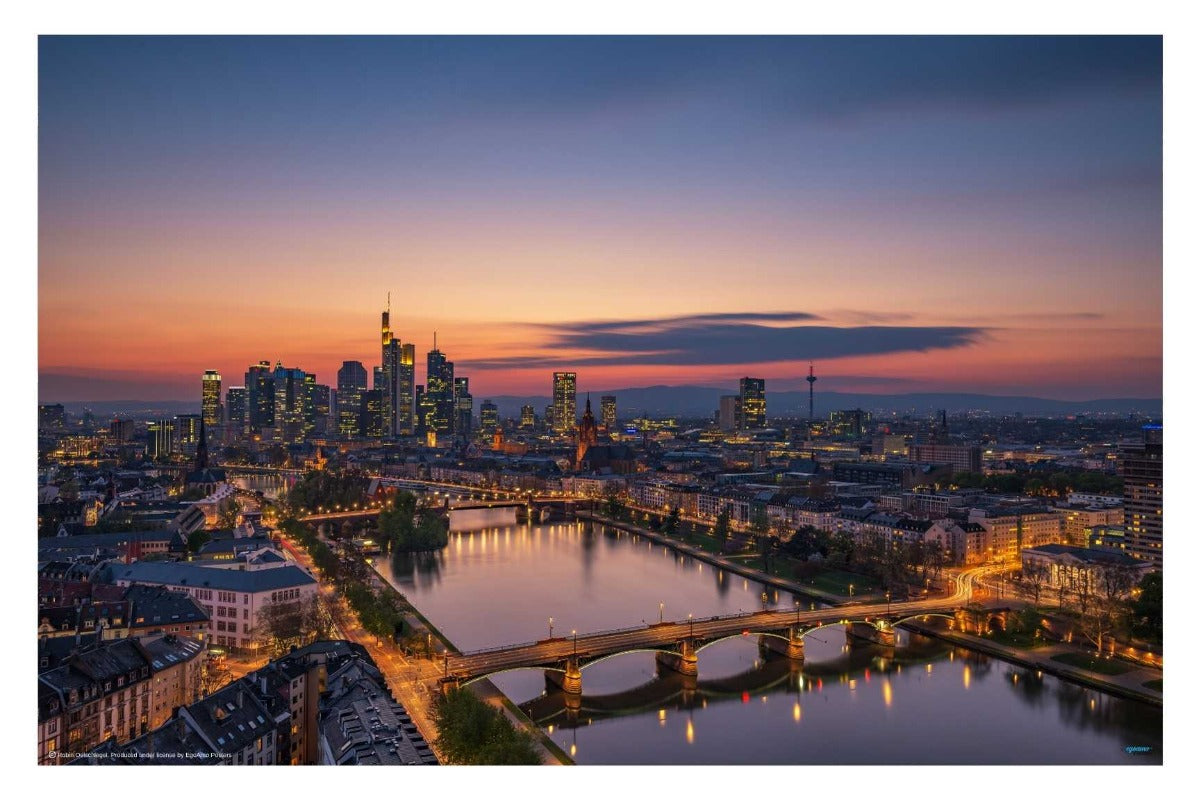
<point x="689" y="734"/>
<point x="929" y="668"/>
<point x="796" y="712"/>
<point x="852" y="684"/>
<point x="662" y="717"/>
<point x="967" y="677"/>
<point x="573" y="751"/>
<point x="887" y="693"/>
<point x="550" y="728"/>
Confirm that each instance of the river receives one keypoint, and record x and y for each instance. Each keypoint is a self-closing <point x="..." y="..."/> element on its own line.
<point x="922" y="703"/>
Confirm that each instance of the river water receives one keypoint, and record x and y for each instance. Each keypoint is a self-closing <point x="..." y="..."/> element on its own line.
<point x="922" y="703"/>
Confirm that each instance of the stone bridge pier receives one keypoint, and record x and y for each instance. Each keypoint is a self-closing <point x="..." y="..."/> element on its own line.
<point x="683" y="662"/>
<point x="569" y="681"/>
<point x="879" y="633"/>
<point x="793" y="648"/>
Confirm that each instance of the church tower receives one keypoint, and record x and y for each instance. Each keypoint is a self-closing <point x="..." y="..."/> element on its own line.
<point x="585" y="433"/>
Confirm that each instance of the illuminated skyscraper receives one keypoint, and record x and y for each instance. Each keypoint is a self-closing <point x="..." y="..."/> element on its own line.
<point x="317" y="409"/>
<point x="160" y="438"/>
<point x="439" y="391"/>
<point x="291" y="398"/>
<point x="563" y="401"/>
<point x="388" y="356"/>
<point x="260" y="397"/>
<point x="753" y="402"/>
<point x="1142" y="477"/>
<point x="187" y="434"/>
<point x="352" y="382"/>
<point x="464" y="408"/>
<point x="401" y="359"/>
<point x="235" y="409"/>
<point x="210" y="398"/>
<point x="489" y="419"/>
<point x="609" y="412"/>
<point x="527" y="416"/>
<point x="372" y="413"/>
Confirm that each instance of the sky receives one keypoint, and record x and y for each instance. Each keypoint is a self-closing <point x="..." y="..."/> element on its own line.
<point x="976" y="214"/>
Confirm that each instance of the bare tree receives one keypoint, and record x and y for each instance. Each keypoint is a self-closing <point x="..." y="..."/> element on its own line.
<point x="283" y="624"/>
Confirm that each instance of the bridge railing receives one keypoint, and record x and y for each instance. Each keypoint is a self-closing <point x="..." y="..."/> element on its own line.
<point x="612" y="631"/>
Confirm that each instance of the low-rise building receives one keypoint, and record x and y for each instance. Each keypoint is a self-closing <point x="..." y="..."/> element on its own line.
<point x="234" y="599"/>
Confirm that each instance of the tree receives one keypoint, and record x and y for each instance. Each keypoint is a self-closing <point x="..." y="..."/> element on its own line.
<point x="1034" y="576"/>
<point x="1147" y="608"/>
<point x="721" y="530"/>
<point x="227" y="513"/>
<point x="672" y="524"/>
<point x="283" y="624"/>
<point x="472" y="732"/>
<point x="198" y="539"/>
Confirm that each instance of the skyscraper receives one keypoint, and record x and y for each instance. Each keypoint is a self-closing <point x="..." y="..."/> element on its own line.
<point x="210" y="397"/>
<point x="609" y="412"/>
<point x="372" y="413"/>
<point x="400" y="375"/>
<point x="729" y="414"/>
<point x="260" y="397"/>
<point x="388" y="356"/>
<point x="527" y="416"/>
<point x="160" y="438"/>
<point x="464" y="408"/>
<point x="187" y="434"/>
<point x="235" y="409"/>
<point x="352" y="382"/>
<point x="439" y="390"/>
<point x="489" y="419"/>
<point x="752" y="393"/>
<point x="319" y="409"/>
<point x="291" y="397"/>
<point x="1142" y="495"/>
<point x="563" y="402"/>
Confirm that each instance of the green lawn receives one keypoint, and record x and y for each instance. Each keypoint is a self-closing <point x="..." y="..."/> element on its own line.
<point x="1157" y="685"/>
<point x="1105" y="666"/>
<point x="1025" y="641"/>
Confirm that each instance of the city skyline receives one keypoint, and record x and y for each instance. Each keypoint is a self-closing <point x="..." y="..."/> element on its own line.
<point x="975" y="215"/>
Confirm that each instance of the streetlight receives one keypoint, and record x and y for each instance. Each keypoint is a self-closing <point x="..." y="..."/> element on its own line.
<point x="797" y="603"/>
<point x="888" y="600"/>
<point x="573" y="643"/>
<point x="850" y="590"/>
<point x="689" y="626"/>
<point x="660" y="613"/>
<point x="550" y="627"/>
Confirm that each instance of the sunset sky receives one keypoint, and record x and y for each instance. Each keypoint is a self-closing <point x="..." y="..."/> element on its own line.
<point x="912" y="214"/>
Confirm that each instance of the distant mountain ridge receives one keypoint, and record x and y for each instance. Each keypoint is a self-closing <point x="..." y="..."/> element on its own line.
<point x="702" y="401"/>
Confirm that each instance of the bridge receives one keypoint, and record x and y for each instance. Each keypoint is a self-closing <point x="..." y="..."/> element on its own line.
<point x="676" y="644"/>
<point x="672" y="689"/>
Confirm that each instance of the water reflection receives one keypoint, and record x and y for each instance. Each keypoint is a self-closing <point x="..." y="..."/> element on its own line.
<point x="920" y="702"/>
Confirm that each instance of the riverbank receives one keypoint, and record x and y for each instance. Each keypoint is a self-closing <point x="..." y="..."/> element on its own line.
<point x="484" y="689"/>
<point x="744" y="570"/>
<point x="1130" y="684"/>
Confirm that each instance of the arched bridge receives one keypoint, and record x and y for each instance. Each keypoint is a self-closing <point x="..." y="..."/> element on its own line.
<point x="676" y="644"/>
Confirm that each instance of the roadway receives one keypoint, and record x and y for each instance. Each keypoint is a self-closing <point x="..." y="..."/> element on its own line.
<point x="667" y="634"/>
<point x="408" y="679"/>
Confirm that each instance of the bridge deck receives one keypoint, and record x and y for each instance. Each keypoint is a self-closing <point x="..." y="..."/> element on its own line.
<point x="665" y="636"/>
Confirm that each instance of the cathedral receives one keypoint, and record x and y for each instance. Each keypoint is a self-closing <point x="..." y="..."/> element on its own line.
<point x="585" y="434"/>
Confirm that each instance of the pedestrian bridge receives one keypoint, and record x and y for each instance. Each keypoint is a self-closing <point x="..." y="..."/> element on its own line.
<point x="676" y="644"/>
